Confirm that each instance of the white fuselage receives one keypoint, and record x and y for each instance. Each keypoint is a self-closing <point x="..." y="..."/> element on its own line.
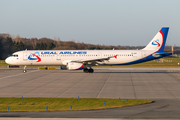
<point x="61" y="57"/>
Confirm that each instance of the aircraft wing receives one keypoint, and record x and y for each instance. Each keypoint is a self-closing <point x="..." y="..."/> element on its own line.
<point x="95" y="60"/>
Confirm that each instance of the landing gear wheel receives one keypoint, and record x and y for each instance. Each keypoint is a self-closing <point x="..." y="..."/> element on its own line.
<point x="90" y="70"/>
<point x="24" y="71"/>
<point x="85" y="70"/>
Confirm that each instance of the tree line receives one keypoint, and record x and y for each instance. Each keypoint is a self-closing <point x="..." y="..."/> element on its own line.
<point x="9" y="45"/>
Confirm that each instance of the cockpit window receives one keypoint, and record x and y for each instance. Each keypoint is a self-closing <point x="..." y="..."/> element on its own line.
<point x="15" y="55"/>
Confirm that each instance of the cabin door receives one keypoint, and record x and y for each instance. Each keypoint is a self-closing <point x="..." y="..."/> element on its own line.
<point x="99" y="55"/>
<point x="25" y="56"/>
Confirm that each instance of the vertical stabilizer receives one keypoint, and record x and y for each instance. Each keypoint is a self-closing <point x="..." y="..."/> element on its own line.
<point x="159" y="41"/>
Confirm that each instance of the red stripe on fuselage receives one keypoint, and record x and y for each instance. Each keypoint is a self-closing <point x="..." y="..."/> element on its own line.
<point x="82" y="66"/>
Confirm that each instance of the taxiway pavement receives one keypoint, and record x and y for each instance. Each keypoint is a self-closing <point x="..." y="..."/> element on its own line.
<point x="160" y="85"/>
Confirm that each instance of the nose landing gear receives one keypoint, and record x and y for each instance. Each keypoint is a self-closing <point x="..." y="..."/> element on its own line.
<point x="24" y="71"/>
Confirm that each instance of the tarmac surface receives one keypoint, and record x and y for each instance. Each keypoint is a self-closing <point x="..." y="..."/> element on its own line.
<point x="162" y="85"/>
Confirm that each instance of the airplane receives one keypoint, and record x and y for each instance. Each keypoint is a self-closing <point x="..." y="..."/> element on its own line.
<point x="85" y="59"/>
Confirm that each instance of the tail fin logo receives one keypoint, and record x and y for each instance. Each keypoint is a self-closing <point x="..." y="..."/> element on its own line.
<point x="156" y="42"/>
<point x="34" y="56"/>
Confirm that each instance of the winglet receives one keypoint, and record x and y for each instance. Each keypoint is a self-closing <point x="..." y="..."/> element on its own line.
<point x="115" y="56"/>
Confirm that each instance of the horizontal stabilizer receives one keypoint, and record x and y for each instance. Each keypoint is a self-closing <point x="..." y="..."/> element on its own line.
<point x="162" y="53"/>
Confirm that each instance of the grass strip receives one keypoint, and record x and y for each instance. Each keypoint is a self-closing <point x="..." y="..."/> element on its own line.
<point x="63" y="104"/>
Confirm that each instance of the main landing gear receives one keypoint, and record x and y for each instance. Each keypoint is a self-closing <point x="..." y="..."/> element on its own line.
<point x="86" y="70"/>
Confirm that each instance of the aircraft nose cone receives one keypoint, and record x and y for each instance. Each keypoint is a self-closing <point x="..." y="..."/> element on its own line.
<point x="7" y="60"/>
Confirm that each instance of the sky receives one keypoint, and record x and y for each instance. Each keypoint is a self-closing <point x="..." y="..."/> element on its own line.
<point x="104" y="22"/>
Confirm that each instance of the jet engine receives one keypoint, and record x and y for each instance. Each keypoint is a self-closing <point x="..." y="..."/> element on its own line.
<point x="75" y="66"/>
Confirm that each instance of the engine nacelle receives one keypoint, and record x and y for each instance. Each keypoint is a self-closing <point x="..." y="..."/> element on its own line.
<point x="75" y="66"/>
